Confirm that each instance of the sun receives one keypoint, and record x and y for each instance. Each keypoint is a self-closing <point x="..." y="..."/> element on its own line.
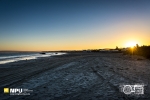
<point x="131" y="44"/>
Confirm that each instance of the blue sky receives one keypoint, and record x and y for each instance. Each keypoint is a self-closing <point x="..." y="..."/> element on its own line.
<point x="72" y="24"/>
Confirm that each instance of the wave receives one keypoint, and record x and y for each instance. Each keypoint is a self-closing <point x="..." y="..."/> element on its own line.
<point x="14" y="58"/>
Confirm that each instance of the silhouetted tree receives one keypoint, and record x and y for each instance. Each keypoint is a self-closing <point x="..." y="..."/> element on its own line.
<point x="137" y="45"/>
<point x="117" y="48"/>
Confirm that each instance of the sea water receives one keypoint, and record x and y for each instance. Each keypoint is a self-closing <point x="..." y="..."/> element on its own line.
<point x="8" y="57"/>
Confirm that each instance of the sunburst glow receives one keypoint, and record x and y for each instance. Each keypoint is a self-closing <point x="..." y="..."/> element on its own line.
<point x="131" y="44"/>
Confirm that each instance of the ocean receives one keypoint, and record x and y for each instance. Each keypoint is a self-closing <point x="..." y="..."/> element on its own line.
<point x="8" y="57"/>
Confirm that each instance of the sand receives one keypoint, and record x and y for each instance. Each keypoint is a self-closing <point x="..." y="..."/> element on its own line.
<point x="90" y="76"/>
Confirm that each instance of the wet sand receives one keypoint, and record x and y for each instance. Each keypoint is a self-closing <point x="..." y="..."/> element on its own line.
<point x="90" y="76"/>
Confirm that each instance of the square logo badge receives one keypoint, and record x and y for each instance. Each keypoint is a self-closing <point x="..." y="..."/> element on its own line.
<point x="6" y="90"/>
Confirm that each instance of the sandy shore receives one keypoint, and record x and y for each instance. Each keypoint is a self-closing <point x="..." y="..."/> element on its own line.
<point x="89" y="76"/>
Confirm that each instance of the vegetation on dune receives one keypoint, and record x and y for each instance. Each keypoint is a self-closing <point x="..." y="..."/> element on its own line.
<point x="142" y="51"/>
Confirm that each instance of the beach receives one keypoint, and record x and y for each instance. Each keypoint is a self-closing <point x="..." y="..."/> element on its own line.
<point x="77" y="76"/>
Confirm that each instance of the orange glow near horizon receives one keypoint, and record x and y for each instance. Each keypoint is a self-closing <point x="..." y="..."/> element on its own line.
<point x="131" y="44"/>
<point x="86" y="44"/>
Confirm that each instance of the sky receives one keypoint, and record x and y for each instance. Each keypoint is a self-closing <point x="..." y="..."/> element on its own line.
<point x="47" y="25"/>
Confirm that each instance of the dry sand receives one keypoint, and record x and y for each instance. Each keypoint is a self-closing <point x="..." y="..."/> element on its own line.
<point x="77" y="76"/>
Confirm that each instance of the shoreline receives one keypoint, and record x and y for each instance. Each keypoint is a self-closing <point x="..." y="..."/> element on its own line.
<point x="24" y="57"/>
<point x="77" y="76"/>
